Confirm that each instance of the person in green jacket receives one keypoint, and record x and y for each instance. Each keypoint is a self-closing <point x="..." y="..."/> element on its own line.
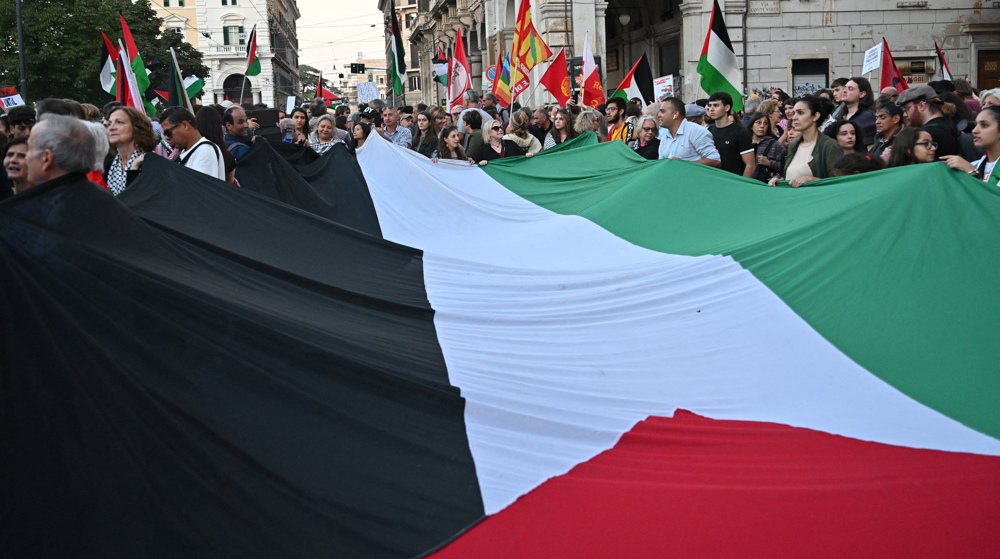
<point x="812" y="155"/>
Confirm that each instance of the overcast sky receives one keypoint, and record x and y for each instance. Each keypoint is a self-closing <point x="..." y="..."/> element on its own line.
<point x="333" y="32"/>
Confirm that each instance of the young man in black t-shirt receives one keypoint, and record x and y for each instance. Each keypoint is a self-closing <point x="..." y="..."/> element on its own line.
<point x="735" y="144"/>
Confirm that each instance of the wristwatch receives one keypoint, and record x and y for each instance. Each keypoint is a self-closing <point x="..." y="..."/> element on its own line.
<point x="974" y="173"/>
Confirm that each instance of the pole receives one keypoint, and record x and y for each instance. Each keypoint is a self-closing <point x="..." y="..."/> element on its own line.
<point x="243" y="87"/>
<point x="20" y="51"/>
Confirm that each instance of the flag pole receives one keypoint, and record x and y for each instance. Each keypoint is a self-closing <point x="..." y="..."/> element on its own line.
<point x="243" y="87"/>
<point x="183" y="90"/>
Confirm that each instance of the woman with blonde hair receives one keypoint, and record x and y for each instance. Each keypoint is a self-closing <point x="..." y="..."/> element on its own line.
<point x="495" y="145"/>
<point x="130" y="133"/>
<point x="517" y="132"/>
<point x="590" y="120"/>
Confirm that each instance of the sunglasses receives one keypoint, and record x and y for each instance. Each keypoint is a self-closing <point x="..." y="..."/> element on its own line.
<point x="168" y="131"/>
<point x="496" y="128"/>
<point x="649" y="129"/>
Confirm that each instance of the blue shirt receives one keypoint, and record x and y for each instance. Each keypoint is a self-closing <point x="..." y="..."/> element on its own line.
<point x="692" y="142"/>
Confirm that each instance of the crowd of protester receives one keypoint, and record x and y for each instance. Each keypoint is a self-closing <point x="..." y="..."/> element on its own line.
<point x="843" y="130"/>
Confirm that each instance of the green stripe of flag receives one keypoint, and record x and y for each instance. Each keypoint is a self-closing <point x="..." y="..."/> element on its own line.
<point x="894" y="268"/>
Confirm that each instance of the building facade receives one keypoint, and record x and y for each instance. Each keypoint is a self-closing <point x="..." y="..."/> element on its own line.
<point x="406" y="11"/>
<point x="220" y="30"/>
<point x="797" y="45"/>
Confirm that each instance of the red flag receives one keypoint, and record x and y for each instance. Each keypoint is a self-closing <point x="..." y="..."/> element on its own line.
<point x="130" y="47"/>
<point x="593" y="91"/>
<point x="459" y="74"/>
<point x="556" y="79"/>
<point x="325" y="94"/>
<point x="890" y="74"/>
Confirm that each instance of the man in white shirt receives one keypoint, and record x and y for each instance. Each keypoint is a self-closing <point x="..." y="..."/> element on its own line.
<point x="197" y="152"/>
<point x="680" y="139"/>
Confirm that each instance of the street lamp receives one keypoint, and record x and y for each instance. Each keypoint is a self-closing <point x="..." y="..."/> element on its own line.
<point x="624" y="19"/>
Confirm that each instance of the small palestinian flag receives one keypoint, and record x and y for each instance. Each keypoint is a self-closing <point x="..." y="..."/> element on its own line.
<point x="253" y="63"/>
<point x="397" y="66"/>
<point x="638" y="84"/>
<point x="945" y="72"/>
<point x="717" y="66"/>
<point x="441" y="67"/>
<point x="109" y="54"/>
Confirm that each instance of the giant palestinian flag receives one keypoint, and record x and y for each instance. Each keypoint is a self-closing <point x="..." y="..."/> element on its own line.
<point x="563" y="356"/>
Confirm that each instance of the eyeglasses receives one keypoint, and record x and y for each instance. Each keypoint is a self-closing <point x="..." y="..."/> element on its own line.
<point x="927" y="145"/>
<point x="644" y="129"/>
<point x="168" y="131"/>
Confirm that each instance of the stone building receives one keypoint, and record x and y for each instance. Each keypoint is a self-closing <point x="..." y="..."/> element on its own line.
<point x="220" y="30"/>
<point x="797" y="45"/>
<point x="406" y="11"/>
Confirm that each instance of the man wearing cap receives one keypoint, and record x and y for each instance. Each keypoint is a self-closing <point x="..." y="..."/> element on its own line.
<point x="695" y="114"/>
<point x="922" y="107"/>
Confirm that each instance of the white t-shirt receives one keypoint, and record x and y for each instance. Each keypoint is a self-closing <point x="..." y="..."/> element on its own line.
<point x="987" y="170"/>
<point x="206" y="159"/>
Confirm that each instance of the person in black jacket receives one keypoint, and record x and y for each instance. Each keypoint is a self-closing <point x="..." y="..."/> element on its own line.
<point x="494" y="146"/>
<point x="922" y="107"/>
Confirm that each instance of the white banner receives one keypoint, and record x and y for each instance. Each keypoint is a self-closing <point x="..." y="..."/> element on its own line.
<point x="873" y="58"/>
<point x="367" y="92"/>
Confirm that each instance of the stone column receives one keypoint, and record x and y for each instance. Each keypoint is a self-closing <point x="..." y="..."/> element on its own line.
<point x="695" y="15"/>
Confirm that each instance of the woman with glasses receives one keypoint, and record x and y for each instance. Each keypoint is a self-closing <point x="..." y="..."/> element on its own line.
<point x="913" y="145"/>
<point x="986" y="136"/>
<point x="131" y="136"/>
<point x="774" y="113"/>
<point x="495" y="146"/>
<point x="562" y="129"/>
<point x="648" y="143"/>
<point x="768" y="150"/>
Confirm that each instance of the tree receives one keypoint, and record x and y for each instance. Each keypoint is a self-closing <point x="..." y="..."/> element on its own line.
<point x="63" y="45"/>
<point x="308" y="76"/>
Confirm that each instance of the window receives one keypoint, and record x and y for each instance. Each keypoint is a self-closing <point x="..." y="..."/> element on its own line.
<point x="231" y="2"/>
<point x="809" y="75"/>
<point x="166" y="3"/>
<point x="180" y="3"/>
<point x="414" y="83"/>
<point x="233" y="35"/>
<point x="178" y="30"/>
<point x="381" y="80"/>
<point x="670" y="58"/>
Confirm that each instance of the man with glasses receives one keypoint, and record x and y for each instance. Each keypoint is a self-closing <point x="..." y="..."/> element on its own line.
<point x="922" y="107"/>
<point x="197" y="152"/>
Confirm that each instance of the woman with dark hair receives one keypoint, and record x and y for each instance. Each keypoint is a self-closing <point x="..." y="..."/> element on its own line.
<point x="425" y="140"/>
<point x="131" y="135"/>
<point x="913" y="145"/>
<point x="209" y="124"/>
<point x="15" y="166"/>
<point x="301" y="119"/>
<point x="787" y="111"/>
<point x="450" y="145"/>
<point x="812" y="155"/>
<point x="848" y="134"/>
<point x="562" y="129"/>
<point x="494" y="144"/>
<point x="359" y="135"/>
<point x="472" y="123"/>
<point x="986" y="136"/>
<point x="768" y="150"/>
<point x="440" y="119"/>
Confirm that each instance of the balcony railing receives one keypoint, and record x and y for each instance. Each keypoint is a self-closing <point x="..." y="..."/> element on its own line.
<point x="229" y="49"/>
